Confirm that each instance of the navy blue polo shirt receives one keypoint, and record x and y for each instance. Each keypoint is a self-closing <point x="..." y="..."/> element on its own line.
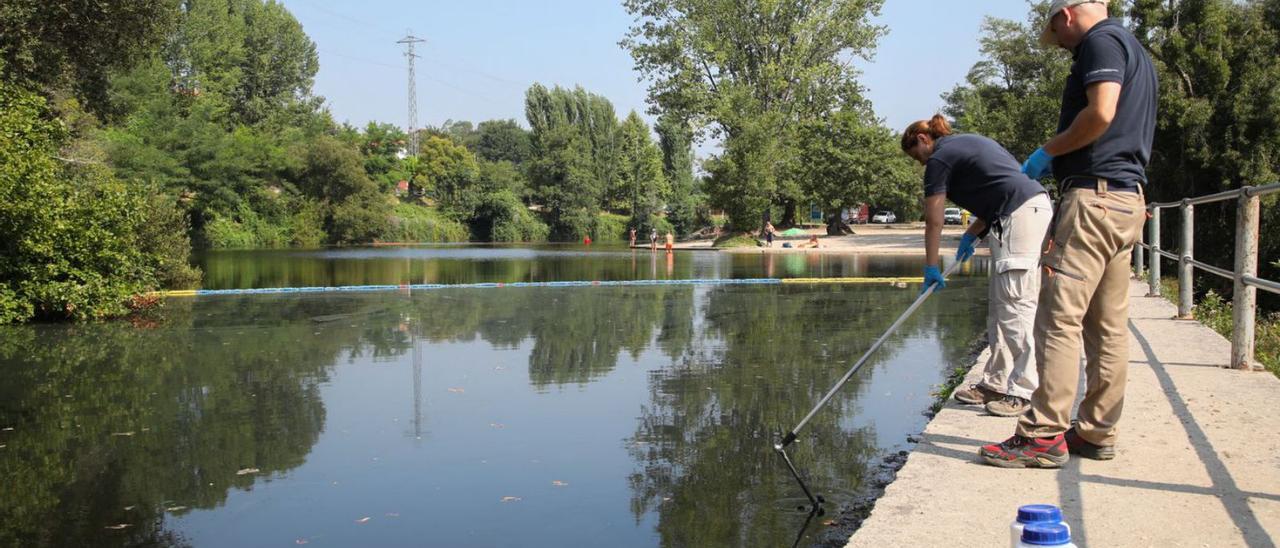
<point x="1110" y="53"/>
<point x="979" y="175"/>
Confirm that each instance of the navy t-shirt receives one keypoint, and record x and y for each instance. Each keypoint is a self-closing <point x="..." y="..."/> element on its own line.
<point x="979" y="175"/>
<point x="1110" y="53"/>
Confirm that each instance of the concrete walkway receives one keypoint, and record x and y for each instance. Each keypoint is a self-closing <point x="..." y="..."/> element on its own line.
<point x="1198" y="463"/>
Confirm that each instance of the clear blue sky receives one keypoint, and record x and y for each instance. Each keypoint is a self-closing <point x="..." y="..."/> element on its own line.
<point x="482" y="55"/>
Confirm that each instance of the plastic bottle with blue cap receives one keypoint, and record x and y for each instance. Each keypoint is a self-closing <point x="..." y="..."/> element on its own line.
<point x="1033" y="513"/>
<point x="1039" y="535"/>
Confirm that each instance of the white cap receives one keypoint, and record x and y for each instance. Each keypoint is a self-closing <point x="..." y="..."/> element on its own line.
<point x="1046" y="35"/>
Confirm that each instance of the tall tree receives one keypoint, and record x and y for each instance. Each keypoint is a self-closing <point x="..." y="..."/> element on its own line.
<point x="1013" y="93"/>
<point x="250" y="54"/>
<point x="70" y="44"/>
<point x="502" y="141"/>
<point x="644" y="187"/>
<point x="574" y="147"/>
<point x="734" y="66"/>
<point x="675" y="139"/>
<point x="846" y="161"/>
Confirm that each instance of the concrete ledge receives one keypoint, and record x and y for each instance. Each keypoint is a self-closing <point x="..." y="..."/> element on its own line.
<point x="1198" y="462"/>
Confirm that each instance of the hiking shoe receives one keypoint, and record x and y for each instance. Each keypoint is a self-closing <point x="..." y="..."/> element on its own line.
<point x="1020" y="452"/>
<point x="1008" y="406"/>
<point x="1077" y="445"/>
<point x="976" y="394"/>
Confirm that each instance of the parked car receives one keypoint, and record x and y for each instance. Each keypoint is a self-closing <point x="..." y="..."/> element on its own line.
<point x="884" y="217"/>
<point x="951" y="216"/>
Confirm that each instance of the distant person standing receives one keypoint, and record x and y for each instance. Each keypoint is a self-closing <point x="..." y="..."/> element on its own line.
<point x="653" y="239"/>
<point x="1099" y="156"/>
<point x="671" y="240"/>
<point x="979" y="175"/>
<point x="768" y="233"/>
<point x="631" y="235"/>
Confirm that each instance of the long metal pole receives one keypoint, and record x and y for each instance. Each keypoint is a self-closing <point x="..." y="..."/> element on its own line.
<point x="791" y="436"/>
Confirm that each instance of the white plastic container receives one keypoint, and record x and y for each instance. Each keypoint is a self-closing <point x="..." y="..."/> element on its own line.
<point x="1046" y="535"/>
<point x="1033" y="513"/>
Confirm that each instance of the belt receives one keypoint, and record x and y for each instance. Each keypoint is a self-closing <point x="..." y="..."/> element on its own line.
<point x="1092" y="183"/>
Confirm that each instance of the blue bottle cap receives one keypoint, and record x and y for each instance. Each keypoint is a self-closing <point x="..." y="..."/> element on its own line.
<point x="1046" y="534"/>
<point x="1039" y="513"/>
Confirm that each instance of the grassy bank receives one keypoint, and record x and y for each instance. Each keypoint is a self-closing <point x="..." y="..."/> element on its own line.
<point x="412" y="223"/>
<point x="1215" y="312"/>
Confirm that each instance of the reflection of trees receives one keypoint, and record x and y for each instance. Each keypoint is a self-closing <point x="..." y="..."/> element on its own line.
<point x="246" y="269"/>
<point x="766" y="356"/>
<point x="114" y="424"/>
<point x="225" y="384"/>
<point x="577" y="333"/>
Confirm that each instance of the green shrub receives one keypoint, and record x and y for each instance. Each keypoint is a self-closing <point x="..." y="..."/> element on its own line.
<point x="70" y="244"/>
<point x="739" y="239"/>
<point x="513" y="222"/>
<point x="306" y="225"/>
<point x="1217" y="313"/>
<point x="165" y="237"/>
<point x="609" y="227"/>
<point x="414" y="223"/>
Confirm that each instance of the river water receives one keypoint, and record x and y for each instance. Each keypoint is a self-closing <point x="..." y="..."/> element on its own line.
<point x="535" y="416"/>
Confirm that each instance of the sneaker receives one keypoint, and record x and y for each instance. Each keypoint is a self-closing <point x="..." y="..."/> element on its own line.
<point x="1020" y="452"/>
<point x="1008" y="406"/>
<point x="976" y="394"/>
<point x="1077" y="445"/>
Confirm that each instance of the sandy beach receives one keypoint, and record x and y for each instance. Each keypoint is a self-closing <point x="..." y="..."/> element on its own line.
<point x="893" y="239"/>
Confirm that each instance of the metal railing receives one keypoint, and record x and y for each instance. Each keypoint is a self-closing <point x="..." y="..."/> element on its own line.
<point x="1245" y="275"/>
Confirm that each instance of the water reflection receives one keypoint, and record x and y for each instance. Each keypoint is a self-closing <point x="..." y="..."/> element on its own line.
<point x="653" y="407"/>
<point x="455" y="265"/>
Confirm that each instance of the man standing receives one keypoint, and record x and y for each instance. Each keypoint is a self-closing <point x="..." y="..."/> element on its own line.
<point x="1099" y="156"/>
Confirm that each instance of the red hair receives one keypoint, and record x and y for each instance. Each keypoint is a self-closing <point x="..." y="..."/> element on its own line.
<point x="936" y="128"/>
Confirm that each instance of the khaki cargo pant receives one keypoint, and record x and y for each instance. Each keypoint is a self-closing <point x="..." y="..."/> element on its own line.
<point x="1085" y="292"/>
<point x="1012" y="297"/>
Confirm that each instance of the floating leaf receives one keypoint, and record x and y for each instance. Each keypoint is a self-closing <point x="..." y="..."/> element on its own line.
<point x="497" y="425"/>
<point x="363" y="520"/>
<point x="247" y="471"/>
<point x="559" y="483"/>
<point x="301" y="541"/>
<point x="129" y="433"/>
<point x="119" y="526"/>
<point x="175" y="508"/>
<point x="457" y="390"/>
<point x="393" y="514"/>
<point x="510" y="499"/>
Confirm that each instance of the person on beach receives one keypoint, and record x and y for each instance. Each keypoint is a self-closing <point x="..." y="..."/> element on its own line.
<point x="653" y="239"/>
<point x="768" y="233"/>
<point x="979" y="175"/>
<point x="1099" y="156"/>
<point x="671" y="240"/>
<point x="631" y="235"/>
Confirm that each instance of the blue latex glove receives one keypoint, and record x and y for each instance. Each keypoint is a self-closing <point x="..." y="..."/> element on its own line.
<point x="966" y="247"/>
<point x="1038" y="165"/>
<point x="932" y="276"/>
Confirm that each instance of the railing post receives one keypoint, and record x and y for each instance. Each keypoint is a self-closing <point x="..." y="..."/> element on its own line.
<point x="1245" y="299"/>
<point x="1185" y="269"/>
<point x="1139" y="257"/>
<point x="1153" y="265"/>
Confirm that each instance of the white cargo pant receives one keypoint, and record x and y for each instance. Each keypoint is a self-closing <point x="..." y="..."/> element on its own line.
<point x="1012" y="298"/>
